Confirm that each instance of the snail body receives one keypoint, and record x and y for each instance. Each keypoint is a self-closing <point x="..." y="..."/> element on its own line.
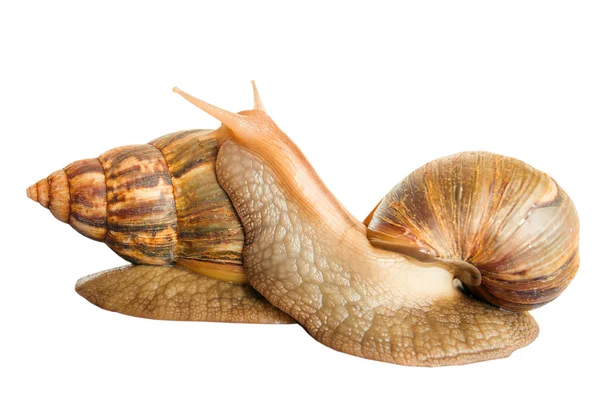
<point x="382" y="290"/>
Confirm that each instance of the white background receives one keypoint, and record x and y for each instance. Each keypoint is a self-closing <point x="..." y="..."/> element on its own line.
<point x="368" y="90"/>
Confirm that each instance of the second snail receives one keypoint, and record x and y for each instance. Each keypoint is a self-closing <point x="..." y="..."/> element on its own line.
<point x="235" y="225"/>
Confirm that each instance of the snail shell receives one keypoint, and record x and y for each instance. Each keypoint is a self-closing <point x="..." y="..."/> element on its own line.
<point x="510" y="221"/>
<point x="155" y="204"/>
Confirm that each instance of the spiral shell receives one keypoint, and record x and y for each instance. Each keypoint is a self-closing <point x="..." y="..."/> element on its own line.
<point x="509" y="220"/>
<point x="155" y="204"/>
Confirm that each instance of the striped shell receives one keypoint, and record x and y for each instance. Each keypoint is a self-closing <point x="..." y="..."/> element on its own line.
<point x="156" y="204"/>
<point x="510" y="221"/>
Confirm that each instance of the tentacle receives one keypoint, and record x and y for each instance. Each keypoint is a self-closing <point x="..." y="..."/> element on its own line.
<point x="258" y="104"/>
<point x="235" y="122"/>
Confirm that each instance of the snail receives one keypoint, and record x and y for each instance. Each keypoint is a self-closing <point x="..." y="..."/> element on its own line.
<point x="235" y="225"/>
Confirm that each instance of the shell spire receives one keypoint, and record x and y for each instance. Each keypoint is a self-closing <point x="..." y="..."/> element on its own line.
<point x="75" y="195"/>
<point x="53" y="193"/>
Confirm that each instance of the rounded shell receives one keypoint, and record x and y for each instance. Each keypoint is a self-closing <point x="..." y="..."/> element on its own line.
<point x="511" y="221"/>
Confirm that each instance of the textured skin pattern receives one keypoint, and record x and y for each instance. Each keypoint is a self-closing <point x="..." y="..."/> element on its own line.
<point x="349" y="295"/>
<point x="173" y="293"/>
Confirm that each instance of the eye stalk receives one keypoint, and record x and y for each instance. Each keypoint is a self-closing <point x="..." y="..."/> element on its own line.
<point x="237" y="123"/>
<point x="258" y="104"/>
<point x="241" y="124"/>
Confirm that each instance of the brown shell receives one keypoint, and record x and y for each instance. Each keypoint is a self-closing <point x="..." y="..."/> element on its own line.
<point x="511" y="221"/>
<point x="155" y="204"/>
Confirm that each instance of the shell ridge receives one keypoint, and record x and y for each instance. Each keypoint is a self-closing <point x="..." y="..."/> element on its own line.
<point x="105" y="197"/>
<point x="524" y="187"/>
<point x="469" y="252"/>
<point x="435" y="210"/>
<point x="174" y="194"/>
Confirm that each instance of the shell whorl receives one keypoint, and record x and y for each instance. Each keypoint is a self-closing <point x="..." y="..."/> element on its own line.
<point x="156" y="204"/>
<point x="53" y="193"/>
<point x="509" y="220"/>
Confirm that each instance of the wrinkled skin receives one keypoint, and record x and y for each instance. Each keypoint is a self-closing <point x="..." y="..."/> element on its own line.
<point x="309" y="257"/>
<point x="177" y="294"/>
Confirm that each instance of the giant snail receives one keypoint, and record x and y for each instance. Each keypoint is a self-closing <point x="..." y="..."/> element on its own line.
<point x="235" y="225"/>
